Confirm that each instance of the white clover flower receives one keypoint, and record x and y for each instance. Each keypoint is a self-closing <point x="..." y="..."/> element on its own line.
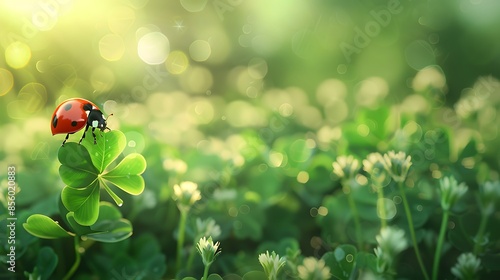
<point x="345" y="167"/>
<point x="313" y="269"/>
<point x="451" y="191"/>
<point x="467" y="267"/>
<point x="397" y="165"/>
<point x="186" y="194"/>
<point x="207" y="227"/>
<point x="272" y="263"/>
<point x="208" y="250"/>
<point x="489" y="194"/>
<point x="175" y="165"/>
<point x="374" y="165"/>
<point x="391" y="241"/>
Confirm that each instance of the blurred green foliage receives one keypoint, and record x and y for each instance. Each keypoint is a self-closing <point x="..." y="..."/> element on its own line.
<point x="254" y="101"/>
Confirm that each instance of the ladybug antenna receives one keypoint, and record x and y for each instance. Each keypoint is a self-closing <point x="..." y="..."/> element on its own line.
<point x="106" y="120"/>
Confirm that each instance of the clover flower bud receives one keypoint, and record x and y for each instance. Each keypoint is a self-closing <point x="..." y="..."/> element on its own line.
<point x="313" y="269"/>
<point x="345" y="167"/>
<point x="208" y="250"/>
<point x="391" y="241"/>
<point x="451" y="191"/>
<point x="489" y="194"/>
<point x="186" y="194"/>
<point x="272" y="263"/>
<point x="374" y="165"/>
<point x="467" y="267"/>
<point x="397" y="165"/>
<point x="207" y="227"/>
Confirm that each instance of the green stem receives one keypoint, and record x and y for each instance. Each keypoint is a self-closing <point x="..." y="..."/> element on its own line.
<point x="355" y="214"/>
<point x="480" y="234"/>
<point x="76" y="264"/>
<point x="192" y="253"/>
<point x="412" y="230"/>
<point x="383" y="214"/>
<point x="437" y="255"/>
<point x="180" y="238"/>
<point x="205" y="272"/>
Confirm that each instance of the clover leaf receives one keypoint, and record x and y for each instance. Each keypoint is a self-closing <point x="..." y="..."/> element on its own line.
<point x="109" y="226"/>
<point x="46" y="263"/>
<point x="44" y="227"/>
<point x="84" y="203"/>
<point x="84" y="170"/>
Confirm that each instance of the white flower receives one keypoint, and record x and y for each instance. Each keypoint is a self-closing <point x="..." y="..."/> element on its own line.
<point x="208" y="250"/>
<point x="345" y="167"/>
<point x="272" y="263"/>
<point x="313" y="269"/>
<point x="467" y="266"/>
<point x="207" y="227"/>
<point x="451" y="191"/>
<point x="391" y="241"/>
<point x="397" y="165"/>
<point x="489" y="194"/>
<point x="374" y="165"/>
<point x="175" y="165"/>
<point x="186" y="194"/>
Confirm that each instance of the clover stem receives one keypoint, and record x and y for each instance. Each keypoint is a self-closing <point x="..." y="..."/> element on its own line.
<point x="355" y="214"/>
<point x="205" y="272"/>
<point x="480" y="234"/>
<point x="180" y="238"/>
<point x="412" y="230"/>
<point x="192" y="253"/>
<point x="437" y="255"/>
<point x="113" y="195"/>
<point x="381" y="206"/>
<point x="76" y="264"/>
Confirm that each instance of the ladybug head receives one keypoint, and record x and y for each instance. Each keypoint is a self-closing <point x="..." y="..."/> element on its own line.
<point x="96" y="120"/>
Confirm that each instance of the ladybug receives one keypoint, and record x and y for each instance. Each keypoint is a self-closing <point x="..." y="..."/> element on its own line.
<point x="74" y="114"/>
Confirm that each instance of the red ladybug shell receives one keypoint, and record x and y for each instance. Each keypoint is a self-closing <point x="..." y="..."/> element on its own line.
<point x="70" y="117"/>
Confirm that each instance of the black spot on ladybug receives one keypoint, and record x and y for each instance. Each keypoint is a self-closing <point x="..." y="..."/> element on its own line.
<point x="74" y="123"/>
<point x="54" y="122"/>
<point x="67" y="107"/>
<point x="87" y="107"/>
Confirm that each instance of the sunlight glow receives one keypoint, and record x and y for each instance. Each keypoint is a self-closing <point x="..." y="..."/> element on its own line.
<point x="17" y="55"/>
<point x="153" y="48"/>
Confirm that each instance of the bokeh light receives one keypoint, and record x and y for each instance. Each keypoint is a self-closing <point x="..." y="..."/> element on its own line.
<point x="200" y="50"/>
<point x="17" y="55"/>
<point x="196" y="79"/>
<point x="153" y="48"/>
<point x="102" y="79"/>
<point x="121" y="19"/>
<point x="6" y="81"/>
<point x="111" y="47"/>
<point x="194" y="5"/>
<point x="254" y="101"/>
<point x="177" y="62"/>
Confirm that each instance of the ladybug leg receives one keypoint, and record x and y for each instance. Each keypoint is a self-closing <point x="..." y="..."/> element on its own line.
<point x="93" y="134"/>
<point x="83" y="136"/>
<point x="65" y="139"/>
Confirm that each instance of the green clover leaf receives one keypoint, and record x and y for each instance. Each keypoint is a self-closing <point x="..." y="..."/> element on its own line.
<point x="126" y="175"/>
<point x="46" y="263"/>
<point x="84" y="203"/>
<point x="44" y="227"/>
<point x="83" y="169"/>
<point x="107" y="149"/>
<point x="76" y="167"/>
<point x="110" y="226"/>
